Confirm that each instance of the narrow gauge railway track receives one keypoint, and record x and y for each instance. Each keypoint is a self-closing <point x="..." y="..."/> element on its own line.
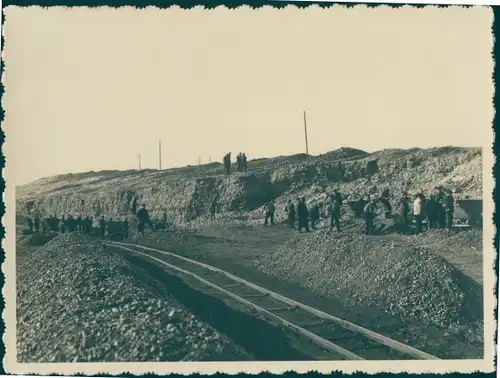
<point x="343" y="339"/>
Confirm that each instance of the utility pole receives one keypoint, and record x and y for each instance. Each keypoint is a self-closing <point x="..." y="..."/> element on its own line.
<point x="159" y="153"/>
<point x="139" y="158"/>
<point x="305" y="133"/>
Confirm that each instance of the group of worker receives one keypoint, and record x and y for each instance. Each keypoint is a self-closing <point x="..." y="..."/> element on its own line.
<point x="54" y="224"/>
<point x="299" y="214"/>
<point x="241" y="163"/>
<point x="437" y="209"/>
<point x="85" y="225"/>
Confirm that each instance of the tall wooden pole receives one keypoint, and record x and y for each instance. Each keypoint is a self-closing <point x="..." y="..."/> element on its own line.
<point x="139" y="158"/>
<point x="159" y="153"/>
<point x="305" y="133"/>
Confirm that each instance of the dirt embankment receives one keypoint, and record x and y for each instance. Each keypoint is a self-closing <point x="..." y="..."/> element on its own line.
<point x="78" y="302"/>
<point x="187" y="193"/>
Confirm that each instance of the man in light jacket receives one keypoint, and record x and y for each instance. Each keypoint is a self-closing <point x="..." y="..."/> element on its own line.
<point x="417" y="213"/>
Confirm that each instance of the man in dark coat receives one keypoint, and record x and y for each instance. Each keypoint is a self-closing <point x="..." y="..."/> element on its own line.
<point x="102" y="226"/>
<point x="269" y="210"/>
<point x="314" y="216"/>
<point x="449" y="208"/>
<point x="143" y="216"/>
<point x="404" y="210"/>
<point x="290" y="211"/>
<point x="333" y="210"/>
<point x="303" y="215"/>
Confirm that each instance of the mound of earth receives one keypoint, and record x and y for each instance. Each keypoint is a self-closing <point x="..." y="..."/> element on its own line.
<point x="391" y="273"/>
<point x="78" y="302"/>
<point x="186" y="194"/>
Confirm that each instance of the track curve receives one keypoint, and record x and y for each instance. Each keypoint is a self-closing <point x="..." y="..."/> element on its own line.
<point x="321" y="328"/>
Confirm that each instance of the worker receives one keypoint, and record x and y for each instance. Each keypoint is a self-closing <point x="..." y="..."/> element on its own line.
<point x="79" y="223"/>
<point x="125" y="228"/>
<point x="290" y="211"/>
<point x="238" y="162"/>
<point x="37" y="223"/>
<point x="403" y="213"/>
<point x="449" y="208"/>
<point x="102" y="226"/>
<point x="71" y="223"/>
<point x="44" y="226"/>
<point x="369" y="214"/>
<point x="314" y="213"/>
<point x="64" y="224"/>
<point x="244" y="162"/>
<point x="431" y="212"/>
<point x="269" y="209"/>
<point x="30" y="223"/>
<point x="213" y="209"/>
<point x="418" y="212"/>
<point x="337" y="197"/>
<point x="333" y="210"/>
<point x="143" y="216"/>
<point x="303" y="215"/>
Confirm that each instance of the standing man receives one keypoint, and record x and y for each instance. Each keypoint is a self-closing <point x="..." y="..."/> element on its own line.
<point x="143" y="216"/>
<point x="314" y="216"/>
<point x="334" y="213"/>
<point x="125" y="228"/>
<point x="369" y="215"/>
<point x="449" y="208"/>
<point x="238" y="162"/>
<point x="269" y="209"/>
<point x="213" y="208"/>
<point x="102" y="226"/>
<point x="404" y="209"/>
<point x="245" y="162"/>
<point x="30" y="223"/>
<point x="303" y="215"/>
<point x="417" y="213"/>
<point x="290" y="211"/>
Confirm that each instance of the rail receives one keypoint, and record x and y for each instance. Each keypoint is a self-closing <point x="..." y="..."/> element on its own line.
<point x="356" y="329"/>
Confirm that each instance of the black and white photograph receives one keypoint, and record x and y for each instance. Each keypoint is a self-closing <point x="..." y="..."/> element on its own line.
<point x="248" y="190"/>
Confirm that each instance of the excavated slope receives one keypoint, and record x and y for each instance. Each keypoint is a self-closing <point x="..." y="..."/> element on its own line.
<point x="186" y="193"/>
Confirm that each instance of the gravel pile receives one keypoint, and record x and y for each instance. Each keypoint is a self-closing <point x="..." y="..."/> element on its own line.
<point x="78" y="302"/>
<point x="389" y="273"/>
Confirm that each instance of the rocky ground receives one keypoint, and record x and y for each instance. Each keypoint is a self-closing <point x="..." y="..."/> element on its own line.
<point x="433" y="280"/>
<point x="77" y="302"/>
<point x="392" y="284"/>
<point x="391" y="272"/>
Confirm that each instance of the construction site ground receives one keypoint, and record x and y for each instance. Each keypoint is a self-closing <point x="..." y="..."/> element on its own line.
<point x="238" y="250"/>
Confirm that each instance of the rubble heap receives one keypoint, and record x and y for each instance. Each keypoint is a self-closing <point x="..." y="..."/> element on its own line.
<point x="76" y="302"/>
<point x="390" y="273"/>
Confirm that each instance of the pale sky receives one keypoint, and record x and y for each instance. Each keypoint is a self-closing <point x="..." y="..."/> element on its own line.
<point x="90" y="89"/>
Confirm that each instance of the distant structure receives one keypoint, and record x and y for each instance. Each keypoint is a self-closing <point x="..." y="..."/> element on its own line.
<point x="159" y="154"/>
<point x="199" y="160"/>
<point x="139" y="159"/>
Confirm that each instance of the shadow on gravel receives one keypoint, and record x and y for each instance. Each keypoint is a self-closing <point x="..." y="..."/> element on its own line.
<point x="264" y="341"/>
